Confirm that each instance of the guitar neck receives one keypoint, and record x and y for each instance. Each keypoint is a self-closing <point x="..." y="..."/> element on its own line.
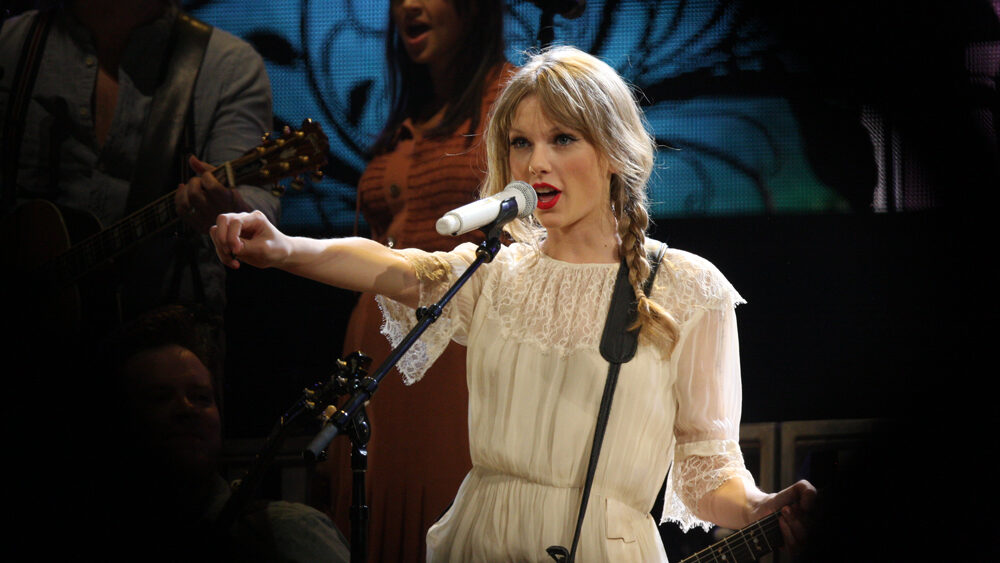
<point x="275" y="159"/>
<point x="115" y="240"/>
<point x="744" y="546"/>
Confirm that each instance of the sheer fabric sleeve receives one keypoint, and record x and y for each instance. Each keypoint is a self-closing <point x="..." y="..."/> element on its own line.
<point x="436" y="272"/>
<point x="709" y="403"/>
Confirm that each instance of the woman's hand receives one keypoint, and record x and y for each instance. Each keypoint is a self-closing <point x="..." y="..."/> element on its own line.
<point x="250" y="238"/>
<point x="796" y="504"/>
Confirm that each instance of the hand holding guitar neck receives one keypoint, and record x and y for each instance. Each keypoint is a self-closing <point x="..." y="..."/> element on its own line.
<point x="788" y="513"/>
<point x="203" y="198"/>
<point x="796" y="505"/>
<point x="53" y="263"/>
<point x="208" y="195"/>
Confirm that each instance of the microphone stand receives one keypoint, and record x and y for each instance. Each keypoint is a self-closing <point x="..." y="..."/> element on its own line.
<point x="341" y="420"/>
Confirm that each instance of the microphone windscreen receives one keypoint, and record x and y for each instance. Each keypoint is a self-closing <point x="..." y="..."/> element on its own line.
<point x="529" y="198"/>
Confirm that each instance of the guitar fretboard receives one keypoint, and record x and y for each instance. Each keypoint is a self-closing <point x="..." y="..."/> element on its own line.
<point x="747" y="545"/>
<point x="293" y="153"/>
<point x="109" y="243"/>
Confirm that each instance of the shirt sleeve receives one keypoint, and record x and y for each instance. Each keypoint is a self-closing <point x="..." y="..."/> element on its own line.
<point x="436" y="272"/>
<point x="709" y="404"/>
<point x="233" y="109"/>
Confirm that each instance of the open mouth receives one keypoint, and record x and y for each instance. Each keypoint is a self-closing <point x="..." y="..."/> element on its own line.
<point x="548" y="195"/>
<point x="415" y="30"/>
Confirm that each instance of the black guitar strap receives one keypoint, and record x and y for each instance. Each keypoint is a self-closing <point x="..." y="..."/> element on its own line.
<point x="168" y="114"/>
<point x="618" y="346"/>
<point x="169" y="133"/>
<point x="17" y="104"/>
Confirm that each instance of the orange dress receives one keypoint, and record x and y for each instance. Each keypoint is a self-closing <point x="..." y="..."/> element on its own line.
<point x="418" y="453"/>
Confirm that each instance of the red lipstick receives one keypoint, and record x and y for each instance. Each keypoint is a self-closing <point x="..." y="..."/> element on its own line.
<point x="548" y="195"/>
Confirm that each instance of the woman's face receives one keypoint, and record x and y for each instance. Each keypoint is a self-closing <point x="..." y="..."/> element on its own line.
<point x="572" y="180"/>
<point x="429" y="29"/>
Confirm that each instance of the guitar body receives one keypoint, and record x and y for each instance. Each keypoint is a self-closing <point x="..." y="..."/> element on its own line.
<point x="41" y="231"/>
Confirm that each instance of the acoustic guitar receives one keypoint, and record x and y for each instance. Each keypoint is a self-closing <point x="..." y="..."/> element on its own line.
<point x="54" y="250"/>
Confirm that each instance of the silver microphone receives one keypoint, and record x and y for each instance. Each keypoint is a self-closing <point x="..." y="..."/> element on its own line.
<point x="484" y="211"/>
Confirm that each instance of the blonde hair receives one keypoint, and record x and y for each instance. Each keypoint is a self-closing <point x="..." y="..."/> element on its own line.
<point x="583" y="93"/>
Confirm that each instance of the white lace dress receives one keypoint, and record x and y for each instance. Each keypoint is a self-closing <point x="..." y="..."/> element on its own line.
<point x="532" y="325"/>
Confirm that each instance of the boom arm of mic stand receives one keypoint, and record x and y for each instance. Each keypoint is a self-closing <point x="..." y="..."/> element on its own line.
<point x="311" y="401"/>
<point x="426" y="316"/>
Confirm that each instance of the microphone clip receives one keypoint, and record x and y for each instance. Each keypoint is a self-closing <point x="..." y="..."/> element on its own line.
<point x="494" y="230"/>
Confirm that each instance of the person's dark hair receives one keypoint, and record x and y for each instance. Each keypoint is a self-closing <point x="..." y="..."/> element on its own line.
<point x="480" y="50"/>
<point x="193" y="328"/>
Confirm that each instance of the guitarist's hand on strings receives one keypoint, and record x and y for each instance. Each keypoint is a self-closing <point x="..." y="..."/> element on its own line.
<point x="204" y="198"/>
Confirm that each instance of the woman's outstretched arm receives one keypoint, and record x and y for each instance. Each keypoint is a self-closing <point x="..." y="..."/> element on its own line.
<point x="355" y="264"/>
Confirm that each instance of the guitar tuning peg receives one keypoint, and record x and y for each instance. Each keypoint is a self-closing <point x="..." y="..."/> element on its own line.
<point x="317" y="175"/>
<point x="298" y="183"/>
<point x="277" y="190"/>
<point x="286" y="130"/>
<point x="266" y="137"/>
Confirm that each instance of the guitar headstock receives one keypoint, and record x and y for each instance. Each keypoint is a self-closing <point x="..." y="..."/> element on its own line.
<point x="293" y="153"/>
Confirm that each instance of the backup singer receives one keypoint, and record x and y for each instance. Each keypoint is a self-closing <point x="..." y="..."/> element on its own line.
<point x="446" y="64"/>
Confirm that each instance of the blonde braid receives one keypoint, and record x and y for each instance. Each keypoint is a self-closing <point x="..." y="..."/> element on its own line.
<point x="656" y="323"/>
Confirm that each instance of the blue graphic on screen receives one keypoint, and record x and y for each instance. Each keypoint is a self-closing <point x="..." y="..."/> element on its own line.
<point x="718" y="91"/>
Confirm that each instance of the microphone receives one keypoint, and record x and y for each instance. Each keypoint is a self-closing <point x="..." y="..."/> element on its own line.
<point x="485" y="211"/>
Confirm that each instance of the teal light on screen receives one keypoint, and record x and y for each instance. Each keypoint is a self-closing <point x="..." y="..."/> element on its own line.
<point x="716" y="87"/>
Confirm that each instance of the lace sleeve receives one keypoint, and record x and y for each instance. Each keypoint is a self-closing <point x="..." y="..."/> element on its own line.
<point x="709" y="396"/>
<point x="436" y="271"/>
<point x="695" y="474"/>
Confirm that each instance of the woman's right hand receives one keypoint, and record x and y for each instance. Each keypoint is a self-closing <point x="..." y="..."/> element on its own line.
<point x="250" y="238"/>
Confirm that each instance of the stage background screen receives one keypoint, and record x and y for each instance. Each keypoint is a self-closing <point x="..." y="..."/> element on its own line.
<point x="729" y="97"/>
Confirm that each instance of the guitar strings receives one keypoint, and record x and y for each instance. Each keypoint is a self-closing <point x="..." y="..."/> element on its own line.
<point x="76" y="261"/>
<point x="108" y="243"/>
<point x="740" y="548"/>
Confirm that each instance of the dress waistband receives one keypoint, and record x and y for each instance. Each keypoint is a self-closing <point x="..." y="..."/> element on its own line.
<point x="487" y="475"/>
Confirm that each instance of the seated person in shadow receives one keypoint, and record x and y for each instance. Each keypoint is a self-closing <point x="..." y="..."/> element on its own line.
<point x="158" y="489"/>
